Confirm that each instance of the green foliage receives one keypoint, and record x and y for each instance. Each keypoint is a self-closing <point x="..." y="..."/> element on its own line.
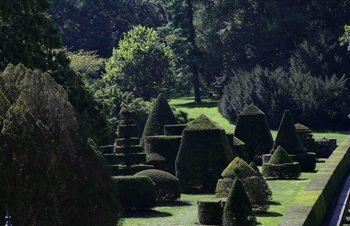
<point x="161" y="151"/>
<point x="86" y="64"/>
<point x="141" y="64"/>
<point x="345" y="38"/>
<point x="203" y="154"/>
<point x="210" y="212"/>
<point x="174" y="130"/>
<point x="238" y="167"/>
<point x="318" y="102"/>
<point x="253" y="129"/>
<point x="286" y="171"/>
<point x="168" y="186"/>
<point x="255" y="168"/>
<point x="287" y="136"/>
<point x="237" y="210"/>
<point x="55" y="161"/>
<point x="160" y="116"/>
<point x="280" y="156"/>
<point x="136" y="192"/>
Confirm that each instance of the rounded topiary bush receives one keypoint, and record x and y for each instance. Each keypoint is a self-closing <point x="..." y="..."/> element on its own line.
<point x="204" y="152"/>
<point x="238" y="210"/>
<point x="136" y="192"/>
<point x="281" y="166"/>
<point x="210" y="212"/>
<point x="168" y="186"/>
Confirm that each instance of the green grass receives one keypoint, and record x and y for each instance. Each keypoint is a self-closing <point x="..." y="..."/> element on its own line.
<point x="185" y="213"/>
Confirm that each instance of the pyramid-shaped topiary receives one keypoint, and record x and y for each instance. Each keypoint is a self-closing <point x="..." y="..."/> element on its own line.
<point x="238" y="210"/>
<point x="255" y="168"/>
<point x="281" y="166"/>
<point x="203" y="154"/>
<point x="160" y="116"/>
<point x="289" y="140"/>
<point x="253" y="129"/>
<point x="257" y="189"/>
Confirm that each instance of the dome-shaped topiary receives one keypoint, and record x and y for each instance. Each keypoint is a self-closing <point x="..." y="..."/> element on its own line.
<point x="238" y="210"/>
<point x="287" y="136"/>
<point x="257" y="189"/>
<point x="204" y="152"/>
<point x="168" y="186"/>
<point x="281" y="166"/>
<point x="253" y="129"/>
<point x="160" y="116"/>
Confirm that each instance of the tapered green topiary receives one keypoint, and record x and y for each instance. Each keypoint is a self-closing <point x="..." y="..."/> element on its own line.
<point x="253" y="129"/>
<point x="238" y="210"/>
<point x="256" y="187"/>
<point x="281" y="166"/>
<point x="287" y="136"/>
<point x="203" y="154"/>
<point x="160" y="116"/>
<point x="255" y="168"/>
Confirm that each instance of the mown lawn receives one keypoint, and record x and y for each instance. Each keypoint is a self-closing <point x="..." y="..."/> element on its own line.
<point x="185" y="212"/>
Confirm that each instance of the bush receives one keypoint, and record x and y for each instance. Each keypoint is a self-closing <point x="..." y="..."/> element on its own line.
<point x="161" y="151"/>
<point x="168" y="186"/>
<point x="210" y="212"/>
<point x="160" y="116"/>
<point x="255" y="168"/>
<point x="141" y="64"/>
<point x="174" y="130"/>
<point x="253" y="129"/>
<point x="204" y="152"/>
<point x="320" y="103"/>
<point x="256" y="187"/>
<point x="136" y="192"/>
<point x="237" y="210"/>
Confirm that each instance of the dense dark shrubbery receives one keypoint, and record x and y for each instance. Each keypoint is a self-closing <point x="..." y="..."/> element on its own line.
<point x="238" y="210"/>
<point x="203" y="154"/>
<point x="136" y="192"/>
<point x="315" y="101"/>
<point x="168" y="186"/>
<point x="210" y="212"/>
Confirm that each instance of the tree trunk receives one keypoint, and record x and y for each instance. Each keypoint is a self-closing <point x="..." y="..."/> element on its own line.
<point x="193" y="53"/>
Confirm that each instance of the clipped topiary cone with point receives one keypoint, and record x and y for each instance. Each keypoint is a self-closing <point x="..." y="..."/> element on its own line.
<point x="289" y="140"/>
<point x="255" y="168"/>
<point x="238" y="210"/>
<point x="203" y="154"/>
<point x="281" y="166"/>
<point x="255" y="185"/>
<point x="253" y="129"/>
<point x="160" y="116"/>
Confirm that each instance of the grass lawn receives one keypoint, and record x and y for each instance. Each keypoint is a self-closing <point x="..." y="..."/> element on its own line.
<point x="185" y="212"/>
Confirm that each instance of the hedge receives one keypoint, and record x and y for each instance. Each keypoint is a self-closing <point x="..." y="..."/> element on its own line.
<point x="312" y="204"/>
<point x="210" y="211"/>
<point x="252" y="128"/>
<point x="161" y="151"/>
<point x="136" y="192"/>
<point x="168" y="186"/>
<point x="126" y="131"/>
<point x="307" y="161"/>
<point x="203" y="154"/>
<point x="122" y="170"/>
<point x="174" y="130"/>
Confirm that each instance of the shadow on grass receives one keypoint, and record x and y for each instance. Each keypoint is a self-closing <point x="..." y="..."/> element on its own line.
<point x="175" y="203"/>
<point x="147" y="214"/>
<point x="320" y="160"/>
<point x="204" y="104"/>
<point x="268" y="214"/>
<point x="274" y="203"/>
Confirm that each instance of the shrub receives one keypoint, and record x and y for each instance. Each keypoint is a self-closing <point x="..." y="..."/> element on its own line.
<point x="160" y="116"/>
<point x="136" y="192"/>
<point x="238" y="210"/>
<point x="255" y="168"/>
<point x="141" y="64"/>
<point x="161" y="151"/>
<point x="168" y="186"/>
<point x="204" y="152"/>
<point x="319" y="102"/>
<point x="253" y="129"/>
<point x="174" y="130"/>
<point x="256" y="187"/>
<point x="210" y="212"/>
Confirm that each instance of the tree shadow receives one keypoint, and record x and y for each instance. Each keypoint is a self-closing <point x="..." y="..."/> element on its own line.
<point x="268" y="214"/>
<point x="204" y="104"/>
<point x="320" y="160"/>
<point x="147" y="214"/>
<point x="175" y="203"/>
<point x="274" y="203"/>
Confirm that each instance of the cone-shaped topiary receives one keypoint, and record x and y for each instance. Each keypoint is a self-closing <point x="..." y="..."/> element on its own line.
<point x="238" y="210"/>
<point x="160" y="116"/>
<point x="256" y="187"/>
<point x="287" y="136"/>
<point x="253" y="129"/>
<point x="281" y="166"/>
<point x="204" y="152"/>
<point x="255" y="168"/>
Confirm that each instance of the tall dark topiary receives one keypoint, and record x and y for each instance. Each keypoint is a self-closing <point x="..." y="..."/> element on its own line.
<point x="204" y="152"/>
<point x="253" y="129"/>
<point x="238" y="210"/>
<point x="160" y="116"/>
